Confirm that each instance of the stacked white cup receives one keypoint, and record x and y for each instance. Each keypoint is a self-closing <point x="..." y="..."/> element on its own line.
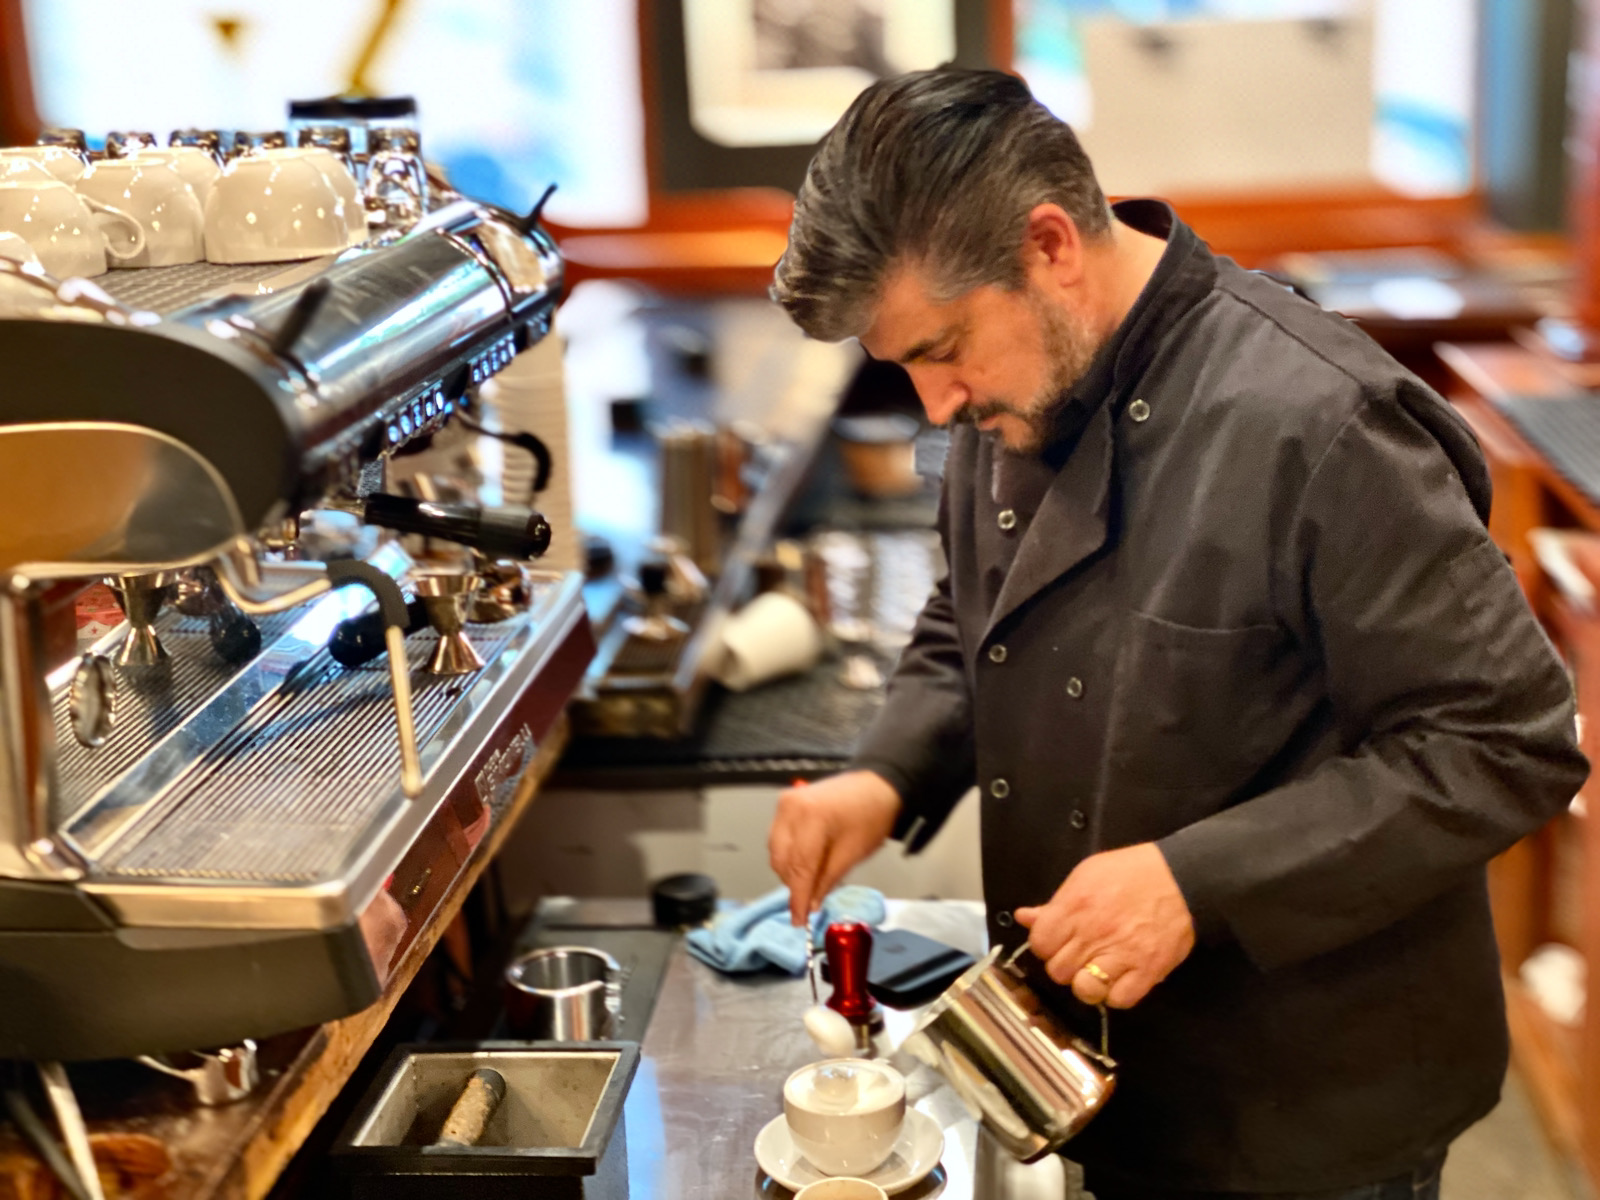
<point x="530" y="396"/>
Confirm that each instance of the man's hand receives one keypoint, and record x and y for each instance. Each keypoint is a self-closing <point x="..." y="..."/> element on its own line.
<point x="1120" y="911"/>
<point x="825" y="828"/>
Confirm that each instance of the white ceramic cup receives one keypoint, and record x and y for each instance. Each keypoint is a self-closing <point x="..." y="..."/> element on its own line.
<point x="158" y="198"/>
<point x="194" y="163"/>
<point x="274" y="206"/>
<point x="72" y="235"/>
<point x="12" y="246"/>
<point x="772" y="636"/>
<point x="842" y="1188"/>
<point x="61" y="162"/>
<point x="845" y="1114"/>
<point x="344" y="183"/>
<point x="24" y="170"/>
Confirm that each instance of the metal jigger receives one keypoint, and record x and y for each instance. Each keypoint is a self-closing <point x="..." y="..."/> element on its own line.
<point x="506" y="591"/>
<point x="445" y="594"/>
<point x="141" y="598"/>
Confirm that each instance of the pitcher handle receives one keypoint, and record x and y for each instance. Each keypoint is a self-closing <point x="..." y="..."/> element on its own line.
<point x="104" y="216"/>
<point x="1105" y="1015"/>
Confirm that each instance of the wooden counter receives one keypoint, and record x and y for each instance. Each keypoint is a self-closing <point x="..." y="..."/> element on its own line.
<point x="1546" y="888"/>
<point x="238" y="1151"/>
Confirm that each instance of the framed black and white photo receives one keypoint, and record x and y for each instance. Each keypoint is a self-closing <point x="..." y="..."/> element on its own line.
<point x="744" y="89"/>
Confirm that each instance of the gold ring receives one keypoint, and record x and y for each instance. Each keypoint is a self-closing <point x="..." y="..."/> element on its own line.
<point x="1098" y="972"/>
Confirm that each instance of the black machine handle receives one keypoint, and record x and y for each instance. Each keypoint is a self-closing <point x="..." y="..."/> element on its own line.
<point x="305" y="307"/>
<point x="509" y="531"/>
<point x="531" y="221"/>
<point x="237" y="639"/>
<point x="359" y="640"/>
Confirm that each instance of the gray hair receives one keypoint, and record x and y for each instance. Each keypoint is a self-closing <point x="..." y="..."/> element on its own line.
<point x="939" y="168"/>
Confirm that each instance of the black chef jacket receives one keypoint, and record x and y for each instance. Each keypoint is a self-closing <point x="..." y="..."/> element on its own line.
<point x="1246" y="607"/>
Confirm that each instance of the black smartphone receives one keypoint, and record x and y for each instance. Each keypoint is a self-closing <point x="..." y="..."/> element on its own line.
<point x="908" y="969"/>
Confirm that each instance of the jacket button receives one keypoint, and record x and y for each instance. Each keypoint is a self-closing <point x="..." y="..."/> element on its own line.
<point x="1139" y="410"/>
<point x="999" y="789"/>
<point x="1003" y="919"/>
<point x="1075" y="688"/>
<point x="1007" y="519"/>
<point x="997" y="654"/>
<point x="1077" y="820"/>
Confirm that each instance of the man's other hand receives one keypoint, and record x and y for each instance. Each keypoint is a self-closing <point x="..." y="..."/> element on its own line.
<point x="1117" y="927"/>
<point x="823" y="829"/>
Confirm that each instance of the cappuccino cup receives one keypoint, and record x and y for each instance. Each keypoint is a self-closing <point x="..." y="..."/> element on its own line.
<point x="274" y="205"/>
<point x="845" y="1114"/>
<point x="71" y="235"/>
<point x="156" y="196"/>
<point x="17" y="250"/>
<point x="61" y="162"/>
<point x="841" y="1188"/>
<point x="196" y="165"/>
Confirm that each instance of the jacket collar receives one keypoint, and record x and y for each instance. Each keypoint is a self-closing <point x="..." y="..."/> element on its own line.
<point x="1074" y="518"/>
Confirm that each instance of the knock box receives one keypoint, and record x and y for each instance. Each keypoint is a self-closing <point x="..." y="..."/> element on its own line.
<point x="557" y="1135"/>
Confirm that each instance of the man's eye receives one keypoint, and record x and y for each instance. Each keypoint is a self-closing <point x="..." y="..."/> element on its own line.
<point x="947" y="355"/>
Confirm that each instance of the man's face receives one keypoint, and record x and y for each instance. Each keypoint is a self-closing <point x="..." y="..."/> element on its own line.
<point x="1001" y="360"/>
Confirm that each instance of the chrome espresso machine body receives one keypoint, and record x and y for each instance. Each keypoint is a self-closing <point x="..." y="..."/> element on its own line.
<point x="212" y="826"/>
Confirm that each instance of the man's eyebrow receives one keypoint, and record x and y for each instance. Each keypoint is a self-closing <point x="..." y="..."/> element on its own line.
<point x="927" y="345"/>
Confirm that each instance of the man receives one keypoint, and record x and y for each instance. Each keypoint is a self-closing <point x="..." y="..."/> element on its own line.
<point x="1249" y="695"/>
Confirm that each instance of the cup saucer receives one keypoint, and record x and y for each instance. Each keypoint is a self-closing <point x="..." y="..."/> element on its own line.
<point x="915" y="1154"/>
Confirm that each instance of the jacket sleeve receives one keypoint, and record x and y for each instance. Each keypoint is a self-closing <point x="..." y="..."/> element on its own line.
<point x="921" y="740"/>
<point x="1456" y="713"/>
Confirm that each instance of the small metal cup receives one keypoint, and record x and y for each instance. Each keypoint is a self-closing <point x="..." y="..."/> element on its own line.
<point x="564" y="994"/>
<point x="1031" y="1082"/>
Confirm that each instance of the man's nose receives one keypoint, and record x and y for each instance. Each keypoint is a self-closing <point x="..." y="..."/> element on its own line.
<point x="941" y="393"/>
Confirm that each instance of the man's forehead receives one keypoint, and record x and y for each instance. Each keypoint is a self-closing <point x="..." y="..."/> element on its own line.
<point x="907" y="316"/>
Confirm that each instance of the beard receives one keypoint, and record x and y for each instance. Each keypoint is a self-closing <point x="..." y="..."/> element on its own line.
<point x="1070" y="346"/>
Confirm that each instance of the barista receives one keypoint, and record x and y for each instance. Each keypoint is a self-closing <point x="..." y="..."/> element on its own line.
<point x="1249" y="696"/>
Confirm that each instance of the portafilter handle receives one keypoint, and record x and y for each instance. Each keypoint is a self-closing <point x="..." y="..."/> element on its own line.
<point x="359" y="640"/>
<point x="509" y="531"/>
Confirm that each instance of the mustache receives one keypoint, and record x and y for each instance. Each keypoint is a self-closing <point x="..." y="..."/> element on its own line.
<point x="971" y="414"/>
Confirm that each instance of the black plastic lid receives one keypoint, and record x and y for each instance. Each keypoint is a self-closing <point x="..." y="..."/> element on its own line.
<point x="680" y="900"/>
<point x="366" y="108"/>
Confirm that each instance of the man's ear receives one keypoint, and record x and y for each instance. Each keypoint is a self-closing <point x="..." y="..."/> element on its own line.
<point x="1052" y="248"/>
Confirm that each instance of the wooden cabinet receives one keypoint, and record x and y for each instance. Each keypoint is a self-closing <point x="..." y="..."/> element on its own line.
<point x="1546" y="888"/>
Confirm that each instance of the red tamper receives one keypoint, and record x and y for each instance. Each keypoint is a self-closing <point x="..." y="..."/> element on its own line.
<point x="849" y="949"/>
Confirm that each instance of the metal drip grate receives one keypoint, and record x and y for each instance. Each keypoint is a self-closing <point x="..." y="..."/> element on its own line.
<point x="165" y="290"/>
<point x="291" y="793"/>
<point x="151" y="703"/>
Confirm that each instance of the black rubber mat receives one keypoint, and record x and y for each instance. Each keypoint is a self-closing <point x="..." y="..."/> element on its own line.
<point x="1566" y="430"/>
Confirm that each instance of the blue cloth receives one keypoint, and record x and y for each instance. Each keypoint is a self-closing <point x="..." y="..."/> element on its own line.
<point x="758" y="935"/>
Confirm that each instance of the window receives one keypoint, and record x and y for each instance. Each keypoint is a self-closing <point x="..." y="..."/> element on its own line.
<point x="1190" y="95"/>
<point x="512" y="93"/>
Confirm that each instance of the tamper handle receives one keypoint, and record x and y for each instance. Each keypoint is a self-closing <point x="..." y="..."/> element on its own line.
<point x="848" y="945"/>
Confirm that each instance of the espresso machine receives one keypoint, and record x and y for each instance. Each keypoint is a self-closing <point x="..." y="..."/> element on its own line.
<point x="229" y="816"/>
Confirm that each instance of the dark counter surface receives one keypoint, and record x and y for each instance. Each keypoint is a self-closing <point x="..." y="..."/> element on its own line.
<point x="711" y="1076"/>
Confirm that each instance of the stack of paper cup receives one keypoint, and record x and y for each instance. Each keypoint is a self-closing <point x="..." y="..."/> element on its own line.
<point x="530" y="396"/>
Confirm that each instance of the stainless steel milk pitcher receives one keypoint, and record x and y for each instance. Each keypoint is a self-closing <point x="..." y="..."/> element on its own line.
<point x="1030" y="1081"/>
